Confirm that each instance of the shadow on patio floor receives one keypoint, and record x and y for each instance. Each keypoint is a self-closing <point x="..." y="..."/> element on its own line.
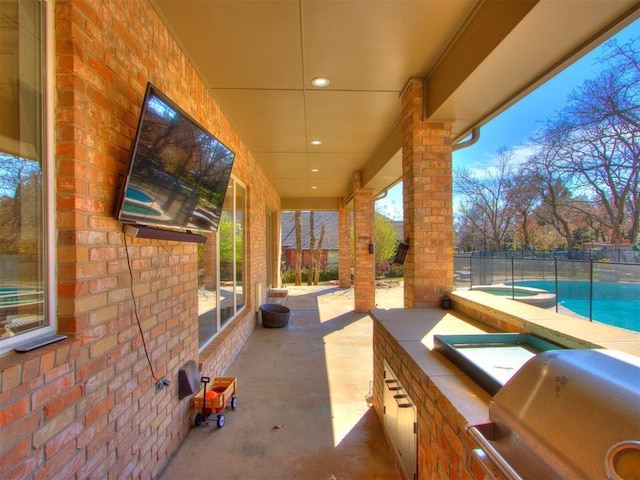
<point x="302" y="412"/>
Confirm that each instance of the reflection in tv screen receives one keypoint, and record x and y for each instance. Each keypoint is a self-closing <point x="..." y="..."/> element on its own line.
<point x="179" y="172"/>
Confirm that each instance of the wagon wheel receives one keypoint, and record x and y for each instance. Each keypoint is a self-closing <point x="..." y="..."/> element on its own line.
<point x="198" y="420"/>
<point x="234" y="403"/>
<point x="220" y="422"/>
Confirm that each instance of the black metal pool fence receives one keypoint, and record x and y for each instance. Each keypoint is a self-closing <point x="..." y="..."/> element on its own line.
<point x="588" y="279"/>
<point x="630" y="254"/>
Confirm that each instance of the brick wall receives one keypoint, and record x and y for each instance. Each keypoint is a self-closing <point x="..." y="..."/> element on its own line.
<point x="87" y="407"/>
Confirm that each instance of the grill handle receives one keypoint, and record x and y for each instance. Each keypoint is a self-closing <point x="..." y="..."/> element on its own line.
<point x="501" y="464"/>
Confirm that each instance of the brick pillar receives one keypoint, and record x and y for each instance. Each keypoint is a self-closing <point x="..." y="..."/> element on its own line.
<point x="364" y="262"/>
<point x="344" y="245"/>
<point x="210" y="264"/>
<point x="427" y="200"/>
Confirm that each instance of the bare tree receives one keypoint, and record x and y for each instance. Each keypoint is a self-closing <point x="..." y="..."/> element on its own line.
<point x="633" y="210"/>
<point x="523" y="196"/>
<point x="598" y="138"/>
<point x="316" y="255"/>
<point x="469" y="235"/>
<point x="20" y="182"/>
<point x="557" y="205"/>
<point x="583" y="181"/>
<point x="487" y="207"/>
<point x="312" y="246"/>
<point x="298" y="266"/>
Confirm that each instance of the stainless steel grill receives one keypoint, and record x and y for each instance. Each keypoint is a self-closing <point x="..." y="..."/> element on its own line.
<point x="566" y="414"/>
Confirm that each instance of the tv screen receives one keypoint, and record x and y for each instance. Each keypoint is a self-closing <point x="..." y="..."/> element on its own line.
<point x="178" y="173"/>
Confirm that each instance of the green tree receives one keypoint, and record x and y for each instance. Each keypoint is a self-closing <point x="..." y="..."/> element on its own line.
<point x="227" y="245"/>
<point x="385" y="242"/>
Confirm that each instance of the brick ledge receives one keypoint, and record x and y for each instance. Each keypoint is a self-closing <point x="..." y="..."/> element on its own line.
<point x="19" y="368"/>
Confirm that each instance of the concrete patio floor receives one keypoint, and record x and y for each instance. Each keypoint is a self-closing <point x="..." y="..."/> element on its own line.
<point x="302" y="410"/>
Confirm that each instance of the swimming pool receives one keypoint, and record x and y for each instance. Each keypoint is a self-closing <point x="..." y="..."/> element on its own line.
<point x="138" y="195"/>
<point x="616" y="304"/>
<point x="19" y="296"/>
<point x="141" y="210"/>
<point x="531" y="296"/>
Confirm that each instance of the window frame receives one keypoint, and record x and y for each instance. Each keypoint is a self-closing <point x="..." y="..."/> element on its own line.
<point x="48" y="185"/>
<point x="236" y="308"/>
<point x="234" y="183"/>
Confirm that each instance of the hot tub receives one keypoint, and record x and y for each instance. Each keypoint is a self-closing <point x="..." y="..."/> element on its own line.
<point x="529" y="295"/>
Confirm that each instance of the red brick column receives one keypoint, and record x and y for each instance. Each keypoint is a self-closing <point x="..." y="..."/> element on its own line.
<point x="427" y="199"/>
<point x="344" y="245"/>
<point x="210" y="267"/>
<point x="364" y="262"/>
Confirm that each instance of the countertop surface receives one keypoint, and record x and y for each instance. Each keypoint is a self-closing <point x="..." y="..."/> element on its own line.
<point x="414" y="329"/>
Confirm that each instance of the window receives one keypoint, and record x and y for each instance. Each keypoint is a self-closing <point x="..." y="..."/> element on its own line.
<point x="221" y="266"/>
<point x="23" y="182"/>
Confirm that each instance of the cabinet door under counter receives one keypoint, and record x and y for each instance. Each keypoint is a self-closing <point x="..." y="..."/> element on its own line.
<point x="400" y="422"/>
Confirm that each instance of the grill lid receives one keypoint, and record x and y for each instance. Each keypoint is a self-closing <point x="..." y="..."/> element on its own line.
<point x="564" y="410"/>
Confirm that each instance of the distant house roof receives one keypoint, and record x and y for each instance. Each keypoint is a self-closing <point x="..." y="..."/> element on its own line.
<point x="327" y="218"/>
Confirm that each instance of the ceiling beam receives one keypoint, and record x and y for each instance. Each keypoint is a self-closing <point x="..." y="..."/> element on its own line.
<point x="379" y="162"/>
<point x="309" y="203"/>
<point x="486" y="27"/>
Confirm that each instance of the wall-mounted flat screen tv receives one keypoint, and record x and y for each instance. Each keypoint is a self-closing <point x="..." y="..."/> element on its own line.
<point x="178" y="173"/>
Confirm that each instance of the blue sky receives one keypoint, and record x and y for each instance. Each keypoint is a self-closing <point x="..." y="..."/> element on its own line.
<point x="514" y="127"/>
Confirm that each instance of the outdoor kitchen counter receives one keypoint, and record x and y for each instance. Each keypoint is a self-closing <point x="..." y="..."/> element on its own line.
<point x="413" y="330"/>
<point x="445" y="398"/>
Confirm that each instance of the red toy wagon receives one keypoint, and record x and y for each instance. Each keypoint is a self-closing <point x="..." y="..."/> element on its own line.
<point x="221" y="395"/>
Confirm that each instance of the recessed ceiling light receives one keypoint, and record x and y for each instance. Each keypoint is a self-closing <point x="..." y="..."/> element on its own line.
<point x="316" y="142"/>
<point x="320" y="82"/>
<point x="314" y="187"/>
<point x="315" y="170"/>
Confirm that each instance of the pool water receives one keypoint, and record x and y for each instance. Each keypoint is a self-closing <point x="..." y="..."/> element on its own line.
<point x="616" y="304"/>
<point x="141" y="210"/>
<point x="18" y="296"/>
<point x="140" y="196"/>
<point x="507" y="292"/>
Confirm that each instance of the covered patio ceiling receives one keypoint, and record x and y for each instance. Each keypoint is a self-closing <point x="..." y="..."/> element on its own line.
<point x="477" y="57"/>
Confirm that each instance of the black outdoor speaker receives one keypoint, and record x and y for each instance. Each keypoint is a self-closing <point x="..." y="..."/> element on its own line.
<point x="401" y="252"/>
<point x="188" y="379"/>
